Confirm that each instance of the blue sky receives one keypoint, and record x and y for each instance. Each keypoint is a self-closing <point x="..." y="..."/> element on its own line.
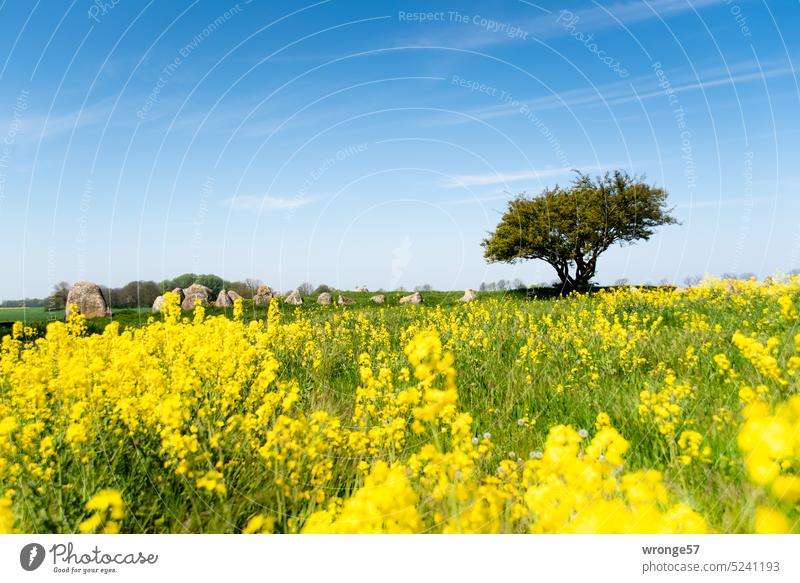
<point x="376" y="143"/>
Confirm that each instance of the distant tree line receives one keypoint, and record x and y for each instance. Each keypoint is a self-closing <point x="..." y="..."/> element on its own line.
<point x="143" y="293"/>
<point x="502" y="285"/>
<point x="139" y="294"/>
<point x="29" y="302"/>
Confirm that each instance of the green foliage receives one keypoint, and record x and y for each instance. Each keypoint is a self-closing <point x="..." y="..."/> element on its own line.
<point x="240" y="288"/>
<point x="27" y="302"/>
<point x="214" y="282"/>
<point x="184" y="280"/>
<point x="570" y="228"/>
<point x="133" y="294"/>
<point x="58" y="299"/>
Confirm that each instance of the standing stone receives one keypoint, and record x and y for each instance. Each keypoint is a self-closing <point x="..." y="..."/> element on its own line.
<point x="324" y="299"/>
<point x="233" y="295"/>
<point x="263" y="295"/>
<point x="194" y="292"/>
<point x="89" y="298"/>
<point x="343" y="301"/>
<point x="469" y="295"/>
<point x="360" y="289"/>
<point x="378" y="299"/>
<point x="294" y="298"/>
<point x="159" y="304"/>
<point x="223" y="300"/>
<point x="415" y="298"/>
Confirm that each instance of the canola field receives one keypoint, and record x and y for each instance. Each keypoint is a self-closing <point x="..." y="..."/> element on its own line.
<point x="646" y="411"/>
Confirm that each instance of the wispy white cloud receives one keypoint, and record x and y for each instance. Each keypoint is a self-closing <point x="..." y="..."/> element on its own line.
<point x="544" y="25"/>
<point x="740" y="201"/>
<point x="620" y="92"/>
<point x="268" y="203"/>
<point x="36" y="127"/>
<point x="703" y="85"/>
<point x="476" y="199"/>
<point x="634" y="11"/>
<point x="493" y="178"/>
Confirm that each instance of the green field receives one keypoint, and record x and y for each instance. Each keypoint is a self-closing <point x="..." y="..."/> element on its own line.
<point x="29" y="314"/>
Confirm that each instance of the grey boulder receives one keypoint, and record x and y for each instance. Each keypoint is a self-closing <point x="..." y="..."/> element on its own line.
<point x="263" y="295"/>
<point x="159" y="304"/>
<point x="294" y="298"/>
<point x="193" y="293"/>
<point x="223" y="300"/>
<point x="469" y="295"/>
<point x="89" y="298"/>
<point x="415" y="298"/>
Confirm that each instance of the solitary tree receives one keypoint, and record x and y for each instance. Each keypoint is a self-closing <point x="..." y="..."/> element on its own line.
<point x="570" y="227"/>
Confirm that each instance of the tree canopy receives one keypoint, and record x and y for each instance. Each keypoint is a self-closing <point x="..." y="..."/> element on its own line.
<point x="571" y="227"/>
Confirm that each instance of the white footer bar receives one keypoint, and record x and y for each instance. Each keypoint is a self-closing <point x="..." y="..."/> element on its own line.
<point x="422" y="558"/>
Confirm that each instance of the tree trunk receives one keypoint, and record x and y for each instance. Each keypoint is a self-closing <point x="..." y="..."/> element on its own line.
<point x="584" y="272"/>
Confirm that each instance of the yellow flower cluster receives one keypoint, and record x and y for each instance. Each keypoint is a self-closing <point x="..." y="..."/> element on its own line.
<point x="107" y="509"/>
<point x="572" y="487"/>
<point x="259" y="524"/>
<point x="788" y="309"/>
<point x="689" y="443"/>
<point x="385" y="504"/>
<point x="6" y="513"/>
<point x="761" y="356"/>
<point x="770" y="441"/>
<point x="664" y="406"/>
